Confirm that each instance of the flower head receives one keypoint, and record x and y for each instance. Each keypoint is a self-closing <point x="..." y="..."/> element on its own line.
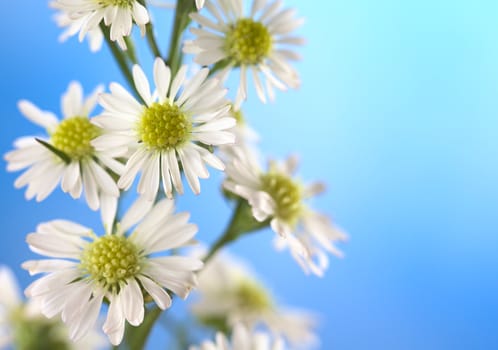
<point x="257" y="44"/>
<point x="117" y="14"/>
<point x="23" y="326"/>
<point x="276" y="195"/>
<point x="176" y="124"/>
<point x="242" y="339"/>
<point x="85" y="268"/>
<point x="81" y="166"/>
<point x="230" y="294"/>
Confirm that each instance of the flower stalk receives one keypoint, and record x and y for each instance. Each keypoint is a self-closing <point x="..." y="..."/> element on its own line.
<point x="120" y="59"/>
<point x="242" y="222"/>
<point x="136" y="337"/>
<point x="181" y="21"/>
<point x="151" y="38"/>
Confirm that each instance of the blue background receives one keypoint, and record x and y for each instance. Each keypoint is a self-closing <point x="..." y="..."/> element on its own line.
<point x="398" y="113"/>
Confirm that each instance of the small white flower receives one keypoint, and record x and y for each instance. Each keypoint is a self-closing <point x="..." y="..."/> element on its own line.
<point x="21" y="324"/>
<point x="84" y="268"/>
<point x="72" y="27"/>
<point x="85" y="167"/>
<point x="173" y="125"/>
<point x="118" y="14"/>
<point x="230" y="293"/>
<point x="242" y="339"/>
<point x="276" y="196"/>
<point x="258" y="44"/>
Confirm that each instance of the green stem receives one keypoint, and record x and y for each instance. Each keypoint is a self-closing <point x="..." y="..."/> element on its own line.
<point x="137" y="337"/>
<point x="120" y="59"/>
<point x="149" y="32"/>
<point x="130" y="51"/>
<point x="182" y="20"/>
<point x="151" y="39"/>
<point x="242" y="222"/>
<point x="220" y="65"/>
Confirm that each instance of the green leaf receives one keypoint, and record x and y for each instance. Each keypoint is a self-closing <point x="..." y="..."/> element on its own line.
<point x="55" y="151"/>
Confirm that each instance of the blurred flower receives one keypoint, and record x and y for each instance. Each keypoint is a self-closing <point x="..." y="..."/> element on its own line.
<point x="118" y="14"/>
<point x="72" y="27"/>
<point x="242" y="340"/>
<point x="166" y="129"/>
<point x="276" y="196"/>
<point x="257" y="44"/>
<point x="114" y="266"/>
<point x="67" y="156"/>
<point x="22" y="325"/>
<point x="230" y="294"/>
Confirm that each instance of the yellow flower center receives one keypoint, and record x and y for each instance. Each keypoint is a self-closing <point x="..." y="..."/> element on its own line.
<point x="73" y="136"/>
<point x="164" y="126"/>
<point x="248" y="42"/>
<point x="110" y="260"/>
<point x="286" y="193"/>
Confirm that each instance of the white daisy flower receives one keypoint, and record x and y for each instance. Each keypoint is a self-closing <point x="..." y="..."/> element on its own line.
<point x="173" y="125"/>
<point x="229" y="293"/>
<point x="72" y="27"/>
<point x="84" y="268"/>
<point x="117" y="14"/>
<point x="276" y="196"/>
<point x="257" y="44"/>
<point x="22" y="325"/>
<point x="83" y="168"/>
<point x="242" y="339"/>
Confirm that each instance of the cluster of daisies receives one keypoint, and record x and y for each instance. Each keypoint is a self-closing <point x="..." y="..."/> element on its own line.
<point x="166" y="137"/>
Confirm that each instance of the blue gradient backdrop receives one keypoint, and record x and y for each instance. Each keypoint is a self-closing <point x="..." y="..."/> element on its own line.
<point x="398" y="113"/>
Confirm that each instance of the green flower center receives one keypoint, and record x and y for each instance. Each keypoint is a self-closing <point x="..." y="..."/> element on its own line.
<point x="73" y="136"/>
<point x="110" y="260"/>
<point x="286" y="193"/>
<point x="248" y="43"/>
<point x="164" y="126"/>
<point x="118" y="3"/>
<point x="252" y="296"/>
